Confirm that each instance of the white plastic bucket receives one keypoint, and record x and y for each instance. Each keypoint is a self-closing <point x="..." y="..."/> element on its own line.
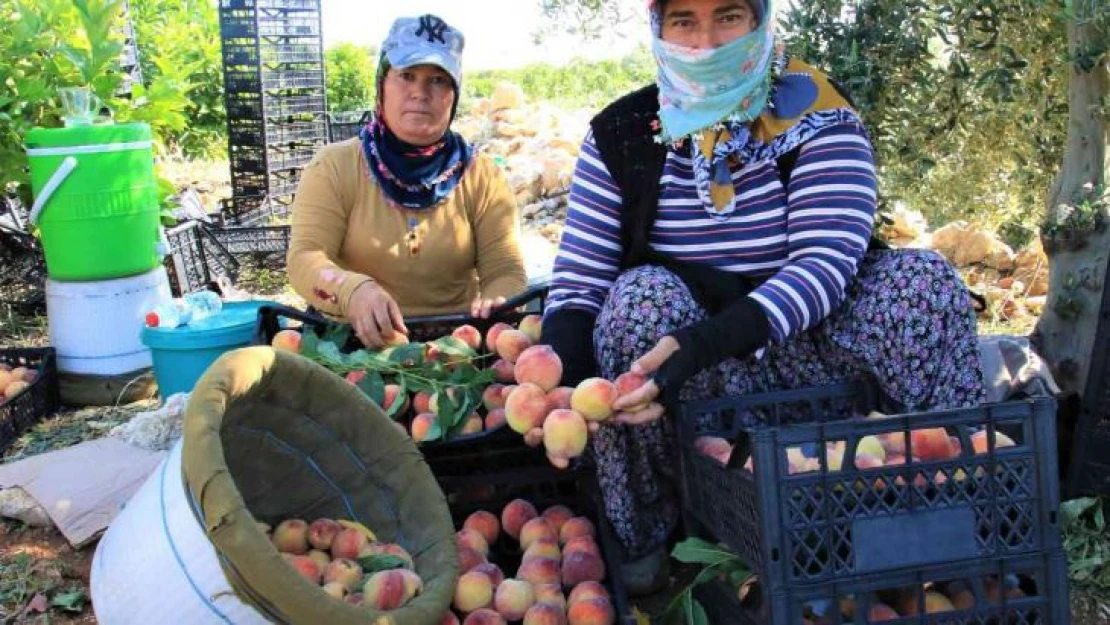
<point x="156" y="565"/>
<point x="95" y="326"/>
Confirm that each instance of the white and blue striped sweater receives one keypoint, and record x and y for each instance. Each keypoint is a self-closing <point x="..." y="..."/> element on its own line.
<point x="805" y="241"/>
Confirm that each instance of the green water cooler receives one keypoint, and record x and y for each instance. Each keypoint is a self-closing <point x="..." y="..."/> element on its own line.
<point x="96" y="200"/>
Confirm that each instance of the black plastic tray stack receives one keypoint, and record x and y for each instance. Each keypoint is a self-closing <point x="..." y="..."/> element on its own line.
<point x="275" y="97"/>
<point x="347" y="124"/>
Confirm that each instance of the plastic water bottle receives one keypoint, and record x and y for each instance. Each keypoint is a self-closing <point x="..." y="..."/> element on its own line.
<point x="172" y="314"/>
<point x="181" y="311"/>
<point x="203" y="304"/>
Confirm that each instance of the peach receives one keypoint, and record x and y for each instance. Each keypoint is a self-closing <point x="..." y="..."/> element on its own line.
<point x="388" y="590"/>
<point x="867" y="461"/>
<point x="595" y="611"/>
<point x="515" y="515"/>
<point x="484" y="616"/>
<point x="495" y="419"/>
<point x="526" y="408"/>
<point x="893" y="442"/>
<point x="322" y="559"/>
<point x="492" y="571"/>
<point x="511" y="343"/>
<point x="15" y="387"/>
<point x="872" y="446"/>
<point x="470" y="335"/>
<point x="961" y="596"/>
<point x="20" y="373"/>
<point x="5" y="379"/>
<point x="322" y="532"/>
<point x="306" y="567"/>
<point x="573" y="528"/>
<point x="469" y="558"/>
<point x="392" y="391"/>
<point x="545" y="614"/>
<point x="422" y="402"/>
<point x="473" y="425"/>
<point x="559" y="397"/>
<point x="508" y="390"/>
<point x="414" y="585"/>
<point x="931" y="444"/>
<point x="551" y="594"/>
<point x="343" y="571"/>
<point x="335" y="590"/>
<point x="491" y="335"/>
<point x="492" y="398"/>
<point x="513" y="598"/>
<point x="503" y="371"/>
<point x="449" y="618"/>
<point x="881" y="612"/>
<point x="543" y="547"/>
<point x="532" y="325"/>
<point x="396" y="339"/>
<point x="291" y="536"/>
<point x="354" y="377"/>
<point x="485" y="523"/>
<point x="979" y="441"/>
<point x="581" y="566"/>
<point x="557" y="515"/>
<point x="628" y="382"/>
<point x="594" y="397"/>
<point x="587" y="590"/>
<point x="936" y="602"/>
<point x="564" y="434"/>
<point x="540" y="571"/>
<point x="468" y="538"/>
<point x="472" y="592"/>
<point x="348" y="544"/>
<point x="287" y="341"/>
<point x="535" y="529"/>
<point x="582" y="543"/>
<point x="539" y="365"/>
<point x="422" y="426"/>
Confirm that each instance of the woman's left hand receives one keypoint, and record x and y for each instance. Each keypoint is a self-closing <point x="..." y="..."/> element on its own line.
<point x="645" y="396"/>
<point x="482" y="308"/>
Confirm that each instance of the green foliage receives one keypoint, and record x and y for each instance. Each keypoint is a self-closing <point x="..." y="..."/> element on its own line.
<point x="179" y="51"/>
<point x="453" y="381"/>
<point x="579" y="83"/>
<point x="351" y="71"/>
<point x="1084" y="527"/>
<point x="718" y="563"/>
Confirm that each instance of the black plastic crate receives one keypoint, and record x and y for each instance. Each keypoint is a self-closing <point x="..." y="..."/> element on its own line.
<point x="40" y="399"/>
<point x="542" y="486"/>
<point x="22" y="264"/>
<point x="272" y="5"/>
<point x="1041" y="580"/>
<point x="815" y="524"/>
<point x="343" y="126"/>
<point x="1089" y="472"/>
<point x="474" y="454"/>
<point x="296" y="157"/>
<point x="298" y="132"/>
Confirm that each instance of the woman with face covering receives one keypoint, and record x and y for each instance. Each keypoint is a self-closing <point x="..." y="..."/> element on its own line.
<point x="717" y="242"/>
<point x="406" y="219"/>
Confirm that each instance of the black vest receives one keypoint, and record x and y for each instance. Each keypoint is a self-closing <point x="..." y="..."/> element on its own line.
<point x="625" y="139"/>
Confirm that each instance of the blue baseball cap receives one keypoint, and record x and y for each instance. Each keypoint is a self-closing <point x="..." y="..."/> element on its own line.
<point x="425" y="40"/>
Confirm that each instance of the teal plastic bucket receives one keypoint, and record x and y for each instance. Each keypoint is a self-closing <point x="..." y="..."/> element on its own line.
<point x="181" y="355"/>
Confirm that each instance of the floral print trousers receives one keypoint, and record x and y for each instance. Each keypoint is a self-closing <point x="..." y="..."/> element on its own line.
<point x="907" y="320"/>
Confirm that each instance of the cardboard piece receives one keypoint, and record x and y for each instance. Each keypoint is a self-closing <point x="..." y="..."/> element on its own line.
<point x="83" y="487"/>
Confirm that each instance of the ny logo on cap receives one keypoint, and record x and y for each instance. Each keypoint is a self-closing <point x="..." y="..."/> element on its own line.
<point x="433" y="28"/>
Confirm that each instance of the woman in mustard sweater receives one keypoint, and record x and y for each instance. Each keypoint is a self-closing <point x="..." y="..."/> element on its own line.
<point x="406" y="219"/>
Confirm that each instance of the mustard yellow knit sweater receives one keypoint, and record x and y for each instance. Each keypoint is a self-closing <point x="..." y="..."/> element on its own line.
<point x="433" y="261"/>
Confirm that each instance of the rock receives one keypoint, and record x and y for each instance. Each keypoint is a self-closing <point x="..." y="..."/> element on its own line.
<point x="964" y="246"/>
<point x="1031" y="267"/>
<point x="507" y="95"/>
<point x="15" y="503"/>
<point x="908" y="225"/>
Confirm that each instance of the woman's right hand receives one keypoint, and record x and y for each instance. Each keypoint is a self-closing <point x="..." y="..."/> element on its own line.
<point x="374" y="315"/>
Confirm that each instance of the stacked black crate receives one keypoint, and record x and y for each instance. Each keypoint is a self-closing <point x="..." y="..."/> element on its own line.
<point x="275" y="97"/>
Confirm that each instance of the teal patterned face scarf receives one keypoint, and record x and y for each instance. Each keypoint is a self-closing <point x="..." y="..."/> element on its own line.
<point x="700" y="88"/>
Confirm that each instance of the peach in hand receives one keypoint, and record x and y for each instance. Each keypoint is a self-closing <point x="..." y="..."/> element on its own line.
<point x="593" y="398"/>
<point x="539" y="365"/>
<point x="628" y="382"/>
